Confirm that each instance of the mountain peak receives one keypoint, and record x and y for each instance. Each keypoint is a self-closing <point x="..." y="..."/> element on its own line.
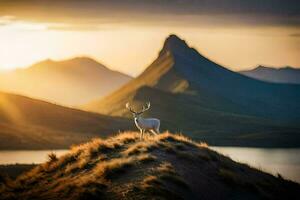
<point x="46" y="61"/>
<point x="81" y="59"/>
<point x="173" y="43"/>
<point x="174" y="39"/>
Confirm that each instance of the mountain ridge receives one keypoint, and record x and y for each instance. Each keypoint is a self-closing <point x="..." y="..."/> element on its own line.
<point x="189" y="85"/>
<point x="27" y="123"/>
<point x="286" y="74"/>
<point x="62" y="81"/>
<point x="198" y="72"/>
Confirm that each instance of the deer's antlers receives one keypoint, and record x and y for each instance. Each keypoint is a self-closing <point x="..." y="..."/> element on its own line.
<point x="129" y="108"/>
<point x="145" y="108"/>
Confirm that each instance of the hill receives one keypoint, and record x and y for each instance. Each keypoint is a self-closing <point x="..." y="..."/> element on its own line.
<point x="166" y="166"/>
<point x="281" y="75"/>
<point x="192" y="94"/>
<point x="27" y="123"/>
<point x="69" y="82"/>
<point x="12" y="171"/>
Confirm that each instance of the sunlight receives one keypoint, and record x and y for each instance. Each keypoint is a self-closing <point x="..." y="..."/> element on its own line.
<point x="23" y="44"/>
<point x="10" y="111"/>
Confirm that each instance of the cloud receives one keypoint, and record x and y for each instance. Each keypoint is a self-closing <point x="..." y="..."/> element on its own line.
<point x="74" y="27"/>
<point x="6" y="19"/>
<point x="95" y="13"/>
<point x="295" y="35"/>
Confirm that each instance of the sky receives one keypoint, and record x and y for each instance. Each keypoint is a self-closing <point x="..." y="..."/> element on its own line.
<point x="126" y="35"/>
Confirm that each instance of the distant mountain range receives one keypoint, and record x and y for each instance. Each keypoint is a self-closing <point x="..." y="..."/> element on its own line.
<point x="69" y="82"/>
<point x="194" y="95"/>
<point x="27" y="123"/>
<point x="280" y="75"/>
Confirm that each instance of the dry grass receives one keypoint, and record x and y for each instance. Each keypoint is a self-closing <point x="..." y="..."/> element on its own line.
<point x="82" y="157"/>
<point x="150" y="181"/>
<point x="155" y="167"/>
<point x="144" y="158"/>
<point x="167" y="173"/>
<point x="111" y="168"/>
<point x="165" y="167"/>
<point x="158" y="185"/>
<point x="52" y="157"/>
<point x="141" y="147"/>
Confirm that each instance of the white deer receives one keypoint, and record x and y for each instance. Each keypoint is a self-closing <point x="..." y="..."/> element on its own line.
<point x="144" y="124"/>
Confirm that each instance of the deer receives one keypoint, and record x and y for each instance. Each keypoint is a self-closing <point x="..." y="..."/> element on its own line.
<point x="143" y="124"/>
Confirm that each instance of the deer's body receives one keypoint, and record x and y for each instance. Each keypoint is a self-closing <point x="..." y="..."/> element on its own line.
<point x="144" y="124"/>
<point x="147" y="124"/>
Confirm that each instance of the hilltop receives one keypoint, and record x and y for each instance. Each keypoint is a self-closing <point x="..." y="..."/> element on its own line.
<point x="197" y="96"/>
<point x="27" y="123"/>
<point x="276" y="75"/>
<point x="165" y="166"/>
<point x="68" y="82"/>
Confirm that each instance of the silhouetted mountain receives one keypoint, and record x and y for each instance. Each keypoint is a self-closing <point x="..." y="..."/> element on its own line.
<point x="27" y="123"/>
<point x="191" y="93"/>
<point x="281" y="75"/>
<point x="70" y="82"/>
<point x="163" y="167"/>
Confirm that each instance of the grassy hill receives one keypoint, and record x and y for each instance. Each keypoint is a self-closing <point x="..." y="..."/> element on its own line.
<point x="166" y="166"/>
<point x="194" y="95"/>
<point x="69" y="82"/>
<point x="12" y="171"/>
<point x="27" y="123"/>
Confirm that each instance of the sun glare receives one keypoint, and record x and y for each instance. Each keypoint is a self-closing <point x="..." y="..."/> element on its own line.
<point x="131" y="48"/>
<point x="10" y="111"/>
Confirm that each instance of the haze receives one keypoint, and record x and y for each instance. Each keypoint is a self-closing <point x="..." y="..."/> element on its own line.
<point x="121" y="34"/>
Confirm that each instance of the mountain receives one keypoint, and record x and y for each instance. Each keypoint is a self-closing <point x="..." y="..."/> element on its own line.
<point x="69" y="82"/>
<point x="281" y="75"/>
<point x="166" y="166"/>
<point x="27" y="123"/>
<point x="192" y="94"/>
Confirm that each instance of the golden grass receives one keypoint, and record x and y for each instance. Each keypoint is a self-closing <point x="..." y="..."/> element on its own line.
<point x="159" y="182"/>
<point x="165" y="167"/>
<point x="146" y="158"/>
<point x="80" y="156"/>
<point x="155" y="167"/>
<point x="52" y="157"/>
<point x="149" y="181"/>
<point x="108" y="168"/>
<point x="141" y="147"/>
<point x="101" y="161"/>
<point x="114" y="167"/>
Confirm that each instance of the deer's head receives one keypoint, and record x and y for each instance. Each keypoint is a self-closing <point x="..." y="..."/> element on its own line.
<point x="135" y="113"/>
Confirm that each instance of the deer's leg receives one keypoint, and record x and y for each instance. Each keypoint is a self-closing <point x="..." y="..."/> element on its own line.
<point x="141" y="133"/>
<point x="154" y="132"/>
<point x="157" y="130"/>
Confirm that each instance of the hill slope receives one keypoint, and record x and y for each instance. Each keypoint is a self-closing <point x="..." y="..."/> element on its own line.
<point x="281" y="75"/>
<point x="208" y="101"/>
<point x="27" y="123"/>
<point x="69" y="82"/>
<point x="162" y="167"/>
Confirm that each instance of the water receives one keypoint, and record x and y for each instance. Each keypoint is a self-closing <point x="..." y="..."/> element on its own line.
<point x="27" y="156"/>
<point x="286" y="162"/>
<point x="283" y="161"/>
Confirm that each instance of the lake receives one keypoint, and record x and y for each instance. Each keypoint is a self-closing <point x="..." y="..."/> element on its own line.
<point x="283" y="161"/>
<point x="27" y="156"/>
<point x="286" y="162"/>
